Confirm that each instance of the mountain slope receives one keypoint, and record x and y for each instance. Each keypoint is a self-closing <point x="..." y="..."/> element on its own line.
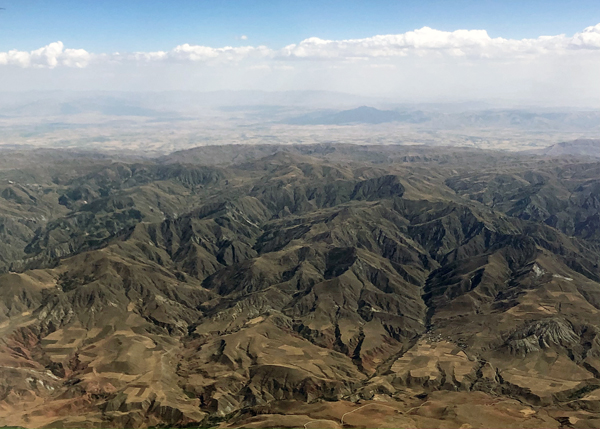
<point x="315" y="284"/>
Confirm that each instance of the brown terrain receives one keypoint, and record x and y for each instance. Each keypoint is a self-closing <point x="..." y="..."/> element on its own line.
<point x="314" y="286"/>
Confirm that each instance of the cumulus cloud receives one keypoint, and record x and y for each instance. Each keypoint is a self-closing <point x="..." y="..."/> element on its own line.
<point x="469" y="44"/>
<point x="49" y="56"/>
<point x="459" y="43"/>
<point x="587" y="39"/>
<point x="196" y="53"/>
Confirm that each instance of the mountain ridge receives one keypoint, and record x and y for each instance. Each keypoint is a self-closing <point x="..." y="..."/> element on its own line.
<point x="277" y="286"/>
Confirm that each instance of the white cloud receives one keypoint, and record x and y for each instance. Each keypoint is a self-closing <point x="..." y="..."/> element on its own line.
<point x="468" y="44"/>
<point x="243" y="37"/>
<point x="459" y="43"/>
<point x="49" y="56"/>
<point x="78" y="58"/>
<point x="196" y="53"/>
<point x="587" y="39"/>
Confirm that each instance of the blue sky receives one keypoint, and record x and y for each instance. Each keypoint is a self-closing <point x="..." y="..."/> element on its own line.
<point x="149" y="25"/>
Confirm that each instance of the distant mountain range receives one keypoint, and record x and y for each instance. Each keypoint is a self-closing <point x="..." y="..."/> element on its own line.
<point x="360" y="115"/>
<point x="152" y="104"/>
<point x="581" y="147"/>
<point x="303" y="108"/>
<point x="438" y="119"/>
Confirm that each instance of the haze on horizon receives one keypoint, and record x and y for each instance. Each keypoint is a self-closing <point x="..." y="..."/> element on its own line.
<point x="549" y="55"/>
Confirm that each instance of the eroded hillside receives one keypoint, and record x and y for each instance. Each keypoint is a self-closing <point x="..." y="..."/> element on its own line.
<point x="273" y="286"/>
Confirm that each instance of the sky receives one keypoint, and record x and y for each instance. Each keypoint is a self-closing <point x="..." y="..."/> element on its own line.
<point x="544" y="52"/>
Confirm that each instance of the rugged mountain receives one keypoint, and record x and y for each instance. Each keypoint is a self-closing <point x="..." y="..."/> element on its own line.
<point x="301" y="286"/>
